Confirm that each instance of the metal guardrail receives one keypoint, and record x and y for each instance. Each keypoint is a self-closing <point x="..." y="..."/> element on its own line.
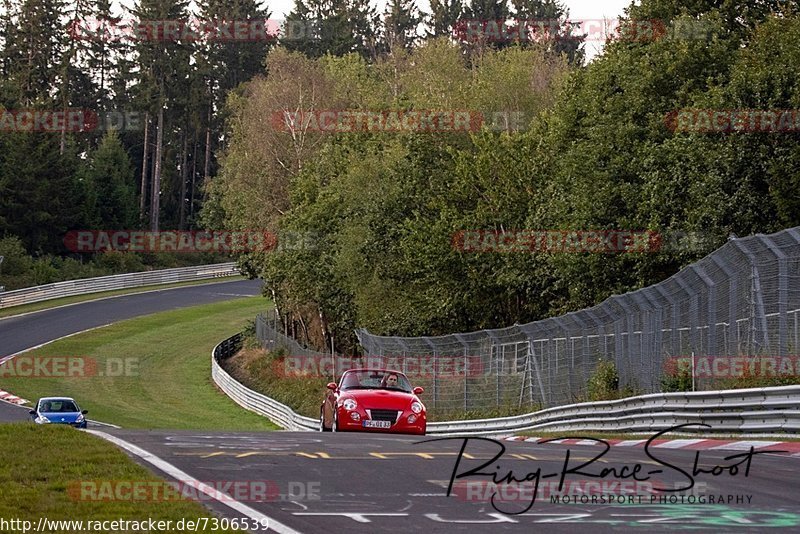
<point x="767" y="410"/>
<point x="278" y="413"/>
<point x="114" y="282"/>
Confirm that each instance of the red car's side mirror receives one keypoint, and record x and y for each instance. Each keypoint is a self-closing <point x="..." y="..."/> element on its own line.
<point x="418" y="391"/>
<point x="331" y="386"/>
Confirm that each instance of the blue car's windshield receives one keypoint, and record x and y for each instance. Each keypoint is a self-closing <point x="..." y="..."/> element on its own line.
<point x="56" y="406"/>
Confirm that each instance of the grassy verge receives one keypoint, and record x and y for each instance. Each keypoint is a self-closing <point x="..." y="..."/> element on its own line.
<point x="46" y="304"/>
<point x="41" y="469"/>
<point x="259" y="370"/>
<point x="156" y="370"/>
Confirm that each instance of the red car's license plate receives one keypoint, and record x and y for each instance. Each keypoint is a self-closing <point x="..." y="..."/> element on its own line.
<point x="377" y="424"/>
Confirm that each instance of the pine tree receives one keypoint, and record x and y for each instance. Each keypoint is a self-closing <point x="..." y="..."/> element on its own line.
<point x="110" y="178"/>
<point x="548" y="26"/>
<point x="40" y="197"/>
<point x="107" y="59"/>
<point x="401" y="21"/>
<point x="492" y="16"/>
<point x="219" y="68"/>
<point x="444" y="17"/>
<point x="234" y="62"/>
<point x="364" y="25"/>
<point x="336" y="27"/>
<point x="163" y="77"/>
<point x="8" y="32"/>
<point x="34" y="51"/>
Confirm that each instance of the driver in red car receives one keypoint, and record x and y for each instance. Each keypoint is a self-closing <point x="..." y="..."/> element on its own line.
<point x="390" y="380"/>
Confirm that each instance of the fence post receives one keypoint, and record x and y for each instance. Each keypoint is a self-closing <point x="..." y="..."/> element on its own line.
<point x="783" y="292"/>
<point x="731" y="347"/>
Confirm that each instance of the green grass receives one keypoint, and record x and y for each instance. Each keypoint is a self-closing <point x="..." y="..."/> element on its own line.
<point x="42" y="466"/>
<point x="172" y="387"/>
<point x="46" y="304"/>
<point x="256" y="369"/>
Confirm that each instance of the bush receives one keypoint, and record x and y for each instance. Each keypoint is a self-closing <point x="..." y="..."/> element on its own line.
<point x="677" y="376"/>
<point x="114" y="262"/>
<point x="15" y="271"/>
<point x="604" y="383"/>
<point x="249" y="339"/>
<point x="44" y="272"/>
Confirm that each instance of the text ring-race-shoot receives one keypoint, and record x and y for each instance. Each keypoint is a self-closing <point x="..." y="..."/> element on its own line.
<point x="733" y="465"/>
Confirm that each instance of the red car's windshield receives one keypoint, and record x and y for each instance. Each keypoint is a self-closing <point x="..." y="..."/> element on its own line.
<point x="375" y="380"/>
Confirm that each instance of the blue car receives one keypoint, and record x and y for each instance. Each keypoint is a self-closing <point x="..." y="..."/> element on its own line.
<point x="59" y="411"/>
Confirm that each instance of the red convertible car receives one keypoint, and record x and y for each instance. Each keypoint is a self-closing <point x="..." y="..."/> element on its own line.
<point x="373" y="400"/>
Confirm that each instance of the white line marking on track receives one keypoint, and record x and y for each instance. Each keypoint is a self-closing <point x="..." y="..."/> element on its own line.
<point x="181" y="476"/>
<point x="630" y="442"/>
<point x="743" y="445"/>
<point x="678" y="443"/>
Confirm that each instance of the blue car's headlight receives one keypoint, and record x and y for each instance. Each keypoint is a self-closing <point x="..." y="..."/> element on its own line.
<point x="79" y="419"/>
<point x="42" y="419"/>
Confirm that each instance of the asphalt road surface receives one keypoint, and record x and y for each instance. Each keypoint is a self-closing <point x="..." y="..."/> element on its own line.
<point x="26" y="331"/>
<point x="11" y="412"/>
<point x="366" y="483"/>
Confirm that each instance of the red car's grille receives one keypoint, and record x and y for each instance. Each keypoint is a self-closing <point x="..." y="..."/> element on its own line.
<point x="384" y="415"/>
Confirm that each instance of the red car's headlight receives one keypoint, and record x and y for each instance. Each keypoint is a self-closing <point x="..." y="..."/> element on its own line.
<point x="417" y="407"/>
<point x="350" y="404"/>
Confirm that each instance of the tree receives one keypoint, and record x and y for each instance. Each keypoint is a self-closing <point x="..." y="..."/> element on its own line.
<point x="400" y="22"/>
<point x="488" y="15"/>
<point x="110" y="178"/>
<point x="444" y="16"/>
<point x="42" y="197"/>
<point x="34" y="50"/>
<point x="160" y="60"/>
<point x="548" y="25"/>
<point x="337" y="27"/>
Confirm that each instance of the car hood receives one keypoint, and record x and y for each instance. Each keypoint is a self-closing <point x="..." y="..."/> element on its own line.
<point x="381" y="398"/>
<point x="61" y="417"/>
